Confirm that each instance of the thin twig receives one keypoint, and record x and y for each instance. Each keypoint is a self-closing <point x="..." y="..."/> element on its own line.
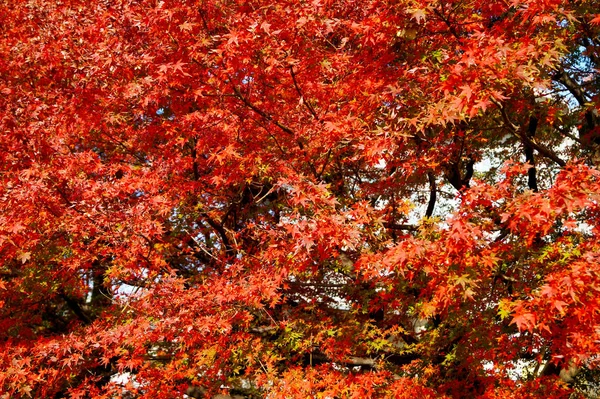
<point x="304" y="101"/>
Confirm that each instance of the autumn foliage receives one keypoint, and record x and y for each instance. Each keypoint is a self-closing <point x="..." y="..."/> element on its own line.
<point x="299" y="199"/>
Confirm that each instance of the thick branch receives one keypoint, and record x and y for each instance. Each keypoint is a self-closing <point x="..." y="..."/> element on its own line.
<point x="76" y="308"/>
<point x="562" y="77"/>
<point x="395" y="226"/>
<point x="432" y="194"/>
<point x="532" y="177"/>
<point x="547" y="153"/>
<point x="469" y="172"/>
<point x="219" y="229"/>
<point x="455" y="176"/>
<point x="591" y="115"/>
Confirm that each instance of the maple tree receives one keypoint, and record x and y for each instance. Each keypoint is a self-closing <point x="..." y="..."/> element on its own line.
<point x="328" y="199"/>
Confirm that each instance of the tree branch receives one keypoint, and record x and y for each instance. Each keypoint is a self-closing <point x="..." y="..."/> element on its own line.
<point x="394" y="226"/>
<point x="531" y="172"/>
<point x="264" y="114"/>
<point x="304" y="101"/>
<point x="591" y="115"/>
<point x="432" y="194"/>
<point x="269" y="118"/>
<point x="563" y="78"/>
<point x="526" y="140"/>
<point x="455" y="176"/>
<point x="75" y="308"/>
<point x="219" y="229"/>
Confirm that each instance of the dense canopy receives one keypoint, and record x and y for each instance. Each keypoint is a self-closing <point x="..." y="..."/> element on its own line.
<point x="299" y="199"/>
